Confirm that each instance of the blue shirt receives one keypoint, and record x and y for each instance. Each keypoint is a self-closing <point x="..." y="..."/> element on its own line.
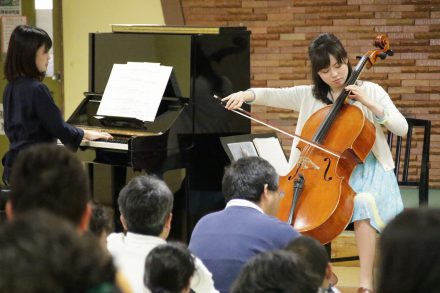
<point x="30" y="117"/>
<point x="226" y="240"/>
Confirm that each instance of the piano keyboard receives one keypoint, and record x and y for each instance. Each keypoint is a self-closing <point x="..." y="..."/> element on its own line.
<point x="117" y="143"/>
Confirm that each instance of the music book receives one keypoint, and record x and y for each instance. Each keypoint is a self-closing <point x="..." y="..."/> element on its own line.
<point x="270" y="149"/>
<point x="266" y="146"/>
<point x="134" y="90"/>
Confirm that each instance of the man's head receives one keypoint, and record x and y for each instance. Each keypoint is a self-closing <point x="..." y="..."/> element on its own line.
<point x="146" y="203"/>
<point x="40" y="252"/>
<point x="253" y="179"/>
<point x="273" y="271"/>
<point x="313" y="258"/>
<point x="51" y="178"/>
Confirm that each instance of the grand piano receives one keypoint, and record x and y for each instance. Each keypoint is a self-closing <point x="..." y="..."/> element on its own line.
<point x="185" y="133"/>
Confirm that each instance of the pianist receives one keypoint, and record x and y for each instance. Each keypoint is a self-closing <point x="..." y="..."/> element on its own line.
<point x="30" y="114"/>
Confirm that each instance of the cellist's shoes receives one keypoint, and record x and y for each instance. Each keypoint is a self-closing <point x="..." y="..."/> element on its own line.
<point x="364" y="290"/>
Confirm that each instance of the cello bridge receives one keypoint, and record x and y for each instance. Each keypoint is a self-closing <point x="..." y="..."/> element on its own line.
<point x="306" y="163"/>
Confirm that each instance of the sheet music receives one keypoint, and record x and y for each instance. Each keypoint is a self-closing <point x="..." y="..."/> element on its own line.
<point x="242" y="149"/>
<point x="269" y="148"/>
<point x="134" y="90"/>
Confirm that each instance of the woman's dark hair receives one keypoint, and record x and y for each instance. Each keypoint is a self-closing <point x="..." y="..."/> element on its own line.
<point x="168" y="268"/>
<point x="409" y="254"/>
<point x="320" y="50"/>
<point x="23" y="46"/>
<point x="312" y="256"/>
<point x="99" y="221"/>
<point x="41" y="252"/>
<point x="275" y="271"/>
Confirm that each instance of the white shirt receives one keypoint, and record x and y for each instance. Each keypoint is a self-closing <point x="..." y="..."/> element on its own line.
<point x="243" y="203"/>
<point x="130" y="251"/>
<point x="300" y="98"/>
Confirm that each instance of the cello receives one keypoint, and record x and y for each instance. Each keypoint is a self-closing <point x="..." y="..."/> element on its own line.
<point x="318" y="199"/>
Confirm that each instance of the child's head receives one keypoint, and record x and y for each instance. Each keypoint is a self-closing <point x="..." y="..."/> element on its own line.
<point x="27" y="53"/>
<point x="169" y="268"/>
<point x="100" y="224"/>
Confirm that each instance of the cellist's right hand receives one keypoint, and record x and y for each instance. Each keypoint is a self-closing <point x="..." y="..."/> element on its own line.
<point x="236" y="100"/>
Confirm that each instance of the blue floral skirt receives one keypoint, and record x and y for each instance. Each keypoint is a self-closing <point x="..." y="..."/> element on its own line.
<point x="377" y="193"/>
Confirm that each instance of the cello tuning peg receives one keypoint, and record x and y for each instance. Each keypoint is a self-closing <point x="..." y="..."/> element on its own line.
<point x="383" y="56"/>
<point x="390" y="52"/>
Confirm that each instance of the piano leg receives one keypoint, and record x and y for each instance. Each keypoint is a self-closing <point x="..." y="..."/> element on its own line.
<point x="91" y="174"/>
<point x="118" y="179"/>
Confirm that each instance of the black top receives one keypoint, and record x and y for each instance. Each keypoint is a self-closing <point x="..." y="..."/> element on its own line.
<point x="30" y="117"/>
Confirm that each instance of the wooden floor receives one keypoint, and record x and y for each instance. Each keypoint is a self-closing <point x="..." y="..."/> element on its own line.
<point x="347" y="272"/>
<point x="348" y="278"/>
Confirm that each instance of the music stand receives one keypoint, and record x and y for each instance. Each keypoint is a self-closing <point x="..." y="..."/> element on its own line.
<point x="227" y="140"/>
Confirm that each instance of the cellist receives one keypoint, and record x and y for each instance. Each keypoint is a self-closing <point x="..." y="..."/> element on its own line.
<point x="378" y="197"/>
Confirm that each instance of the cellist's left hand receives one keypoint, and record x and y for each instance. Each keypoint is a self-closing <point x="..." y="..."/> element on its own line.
<point x="359" y="95"/>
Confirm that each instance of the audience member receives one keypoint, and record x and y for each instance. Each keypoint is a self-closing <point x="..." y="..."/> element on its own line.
<point x="273" y="272"/>
<point x="168" y="268"/>
<point x="145" y="204"/>
<point x="42" y="253"/>
<point x="314" y="260"/>
<point x="51" y="178"/>
<point x="225" y="240"/>
<point x="100" y="223"/>
<point x="409" y="252"/>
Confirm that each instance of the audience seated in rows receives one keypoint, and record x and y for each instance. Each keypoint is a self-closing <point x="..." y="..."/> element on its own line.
<point x="145" y="204"/>
<point x="227" y="239"/>
<point x="409" y="253"/>
<point x="51" y="178"/>
<point x="48" y="182"/>
<point x="314" y="261"/>
<point x="43" y="253"/>
<point x="169" y="268"/>
<point x="273" y="272"/>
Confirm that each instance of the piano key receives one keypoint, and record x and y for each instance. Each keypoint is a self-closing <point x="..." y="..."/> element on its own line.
<point x="105" y="144"/>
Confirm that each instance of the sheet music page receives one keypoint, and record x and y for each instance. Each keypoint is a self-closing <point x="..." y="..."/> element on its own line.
<point x="269" y="148"/>
<point x="242" y="149"/>
<point x="134" y="90"/>
<point x="142" y="64"/>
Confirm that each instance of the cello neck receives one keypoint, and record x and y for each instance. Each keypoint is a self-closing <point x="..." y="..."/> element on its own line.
<point x="337" y="105"/>
<point x="351" y="80"/>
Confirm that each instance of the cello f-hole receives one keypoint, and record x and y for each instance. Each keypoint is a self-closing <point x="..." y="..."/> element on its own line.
<point x="326" y="169"/>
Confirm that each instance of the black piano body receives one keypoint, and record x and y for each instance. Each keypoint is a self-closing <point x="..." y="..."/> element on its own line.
<point x="185" y="134"/>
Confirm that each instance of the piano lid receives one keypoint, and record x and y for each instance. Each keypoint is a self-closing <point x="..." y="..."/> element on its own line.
<point x="171" y="106"/>
<point x="174" y="29"/>
<point x="85" y="117"/>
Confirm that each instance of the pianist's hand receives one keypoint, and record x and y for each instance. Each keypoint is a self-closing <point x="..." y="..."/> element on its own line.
<point x="94" y="135"/>
<point x="235" y="100"/>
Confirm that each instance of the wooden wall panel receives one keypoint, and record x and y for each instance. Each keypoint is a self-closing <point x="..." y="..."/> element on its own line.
<point x="282" y="29"/>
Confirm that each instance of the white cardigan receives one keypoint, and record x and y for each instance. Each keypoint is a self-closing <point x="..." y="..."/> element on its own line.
<point x="300" y="98"/>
